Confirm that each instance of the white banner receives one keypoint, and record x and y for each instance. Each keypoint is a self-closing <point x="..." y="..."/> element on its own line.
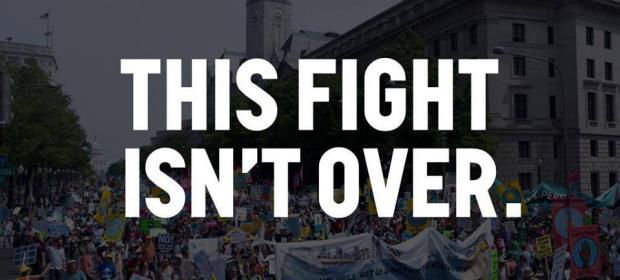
<point x="426" y="256"/>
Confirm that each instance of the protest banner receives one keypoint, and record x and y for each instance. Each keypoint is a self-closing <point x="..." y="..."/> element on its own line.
<point x="428" y="255"/>
<point x="241" y="214"/>
<point x="25" y="255"/>
<point x="209" y="245"/>
<point x="237" y="237"/>
<point x="56" y="229"/>
<point x="559" y="258"/>
<point x="154" y="232"/>
<point x="293" y="225"/>
<point x="566" y="213"/>
<point x="584" y="252"/>
<point x="543" y="246"/>
<point x="210" y="268"/>
<point x="114" y="228"/>
<point x="165" y="244"/>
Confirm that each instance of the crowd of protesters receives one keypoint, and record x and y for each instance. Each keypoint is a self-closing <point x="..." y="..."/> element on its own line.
<point x="84" y="253"/>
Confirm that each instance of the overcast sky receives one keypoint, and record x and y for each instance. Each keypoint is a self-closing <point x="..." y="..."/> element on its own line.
<point x="90" y="38"/>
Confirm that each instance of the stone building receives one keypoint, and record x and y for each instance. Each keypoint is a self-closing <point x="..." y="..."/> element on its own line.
<point x="97" y="158"/>
<point x="524" y="101"/>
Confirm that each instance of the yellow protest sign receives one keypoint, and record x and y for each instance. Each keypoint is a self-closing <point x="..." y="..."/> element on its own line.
<point x="114" y="228"/>
<point x="104" y="204"/>
<point x="512" y="193"/>
<point x="543" y="246"/>
<point x="414" y="225"/>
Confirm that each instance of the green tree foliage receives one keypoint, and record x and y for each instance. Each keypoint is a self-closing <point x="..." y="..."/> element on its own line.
<point x="116" y="169"/>
<point x="45" y="131"/>
<point x="409" y="46"/>
<point x="328" y="131"/>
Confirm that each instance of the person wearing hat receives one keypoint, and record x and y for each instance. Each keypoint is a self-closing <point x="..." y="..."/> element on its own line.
<point x="72" y="271"/>
<point x="25" y="273"/>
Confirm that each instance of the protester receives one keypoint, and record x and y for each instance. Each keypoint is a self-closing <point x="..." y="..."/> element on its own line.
<point x="72" y="271"/>
<point x="57" y="260"/>
<point x="25" y="273"/>
<point x="244" y="247"/>
<point x="106" y="268"/>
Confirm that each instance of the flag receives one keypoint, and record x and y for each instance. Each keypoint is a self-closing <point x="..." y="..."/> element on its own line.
<point x="45" y="16"/>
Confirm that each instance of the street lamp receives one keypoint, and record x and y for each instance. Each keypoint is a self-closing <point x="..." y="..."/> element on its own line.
<point x="499" y="50"/>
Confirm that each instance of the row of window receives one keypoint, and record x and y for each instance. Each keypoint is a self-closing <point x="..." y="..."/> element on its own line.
<point x="520" y="106"/>
<point x="518" y="35"/>
<point x="610" y="107"/>
<point x="595" y="182"/>
<point x="591" y="69"/>
<point x="525" y="180"/>
<point x="590" y="38"/>
<point x="611" y="148"/>
<point x="519" y="68"/>
<point x="525" y="152"/>
<point x="454" y="41"/>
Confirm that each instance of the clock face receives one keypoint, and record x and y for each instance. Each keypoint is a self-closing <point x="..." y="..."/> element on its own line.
<point x="277" y="16"/>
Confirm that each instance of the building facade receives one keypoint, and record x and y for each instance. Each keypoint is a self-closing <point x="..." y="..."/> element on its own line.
<point x="19" y="54"/>
<point x="268" y="24"/>
<point x="527" y="99"/>
<point x="97" y="158"/>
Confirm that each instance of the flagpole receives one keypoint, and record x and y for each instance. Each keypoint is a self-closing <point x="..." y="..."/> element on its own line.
<point x="47" y="32"/>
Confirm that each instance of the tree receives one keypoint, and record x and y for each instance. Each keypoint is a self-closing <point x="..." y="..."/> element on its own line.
<point x="45" y="131"/>
<point x="116" y="169"/>
<point x="327" y="119"/>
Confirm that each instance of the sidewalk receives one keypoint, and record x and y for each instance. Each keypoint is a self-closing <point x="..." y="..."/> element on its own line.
<point x="7" y="271"/>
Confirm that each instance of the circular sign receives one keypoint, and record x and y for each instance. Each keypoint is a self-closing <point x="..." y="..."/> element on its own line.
<point x="511" y="196"/>
<point x="561" y="220"/>
<point x="585" y="253"/>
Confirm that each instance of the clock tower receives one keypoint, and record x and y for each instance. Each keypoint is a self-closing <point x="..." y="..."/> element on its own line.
<point x="268" y="25"/>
